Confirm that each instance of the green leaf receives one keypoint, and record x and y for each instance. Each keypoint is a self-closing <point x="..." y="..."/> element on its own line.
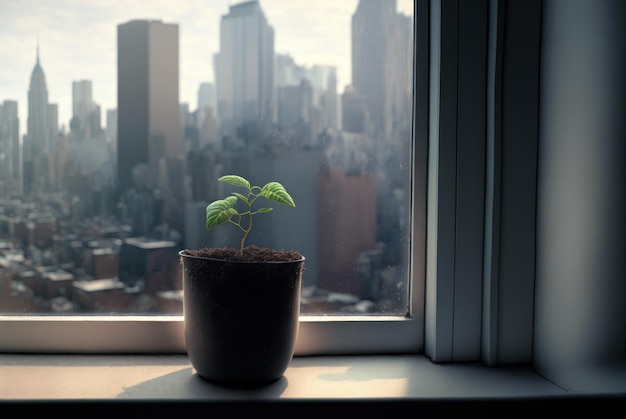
<point x="274" y="191"/>
<point x="240" y="196"/>
<point x="219" y="212"/>
<point x="235" y="181"/>
<point x="263" y="210"/>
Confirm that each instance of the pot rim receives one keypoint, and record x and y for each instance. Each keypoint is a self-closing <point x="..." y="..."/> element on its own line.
<point x="277" y="262"/>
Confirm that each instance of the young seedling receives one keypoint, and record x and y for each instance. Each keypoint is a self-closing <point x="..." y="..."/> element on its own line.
<point x="223" y="210"/>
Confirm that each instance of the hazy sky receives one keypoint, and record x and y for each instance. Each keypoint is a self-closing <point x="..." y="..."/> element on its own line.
<point x="78" y="40"/>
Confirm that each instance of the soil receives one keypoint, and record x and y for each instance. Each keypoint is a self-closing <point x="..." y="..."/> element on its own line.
<point x="249" y="254"/>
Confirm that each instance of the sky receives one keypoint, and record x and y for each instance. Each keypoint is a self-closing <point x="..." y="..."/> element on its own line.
<point x="78" y="40"/>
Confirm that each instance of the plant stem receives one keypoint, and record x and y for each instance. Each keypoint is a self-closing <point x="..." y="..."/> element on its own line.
<point x="245" y="234"/>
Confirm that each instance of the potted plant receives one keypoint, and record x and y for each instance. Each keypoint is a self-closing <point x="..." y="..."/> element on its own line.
<point x="241" y="307"/>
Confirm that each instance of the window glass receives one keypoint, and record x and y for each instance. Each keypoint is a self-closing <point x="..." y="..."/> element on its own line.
<point x="117" y="118"/>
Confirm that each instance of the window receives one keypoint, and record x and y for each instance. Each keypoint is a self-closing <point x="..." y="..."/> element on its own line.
<point x="83" y="200"/>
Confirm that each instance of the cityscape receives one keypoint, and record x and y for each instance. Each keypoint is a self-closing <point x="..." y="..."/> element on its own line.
<point x="92" y="216"/>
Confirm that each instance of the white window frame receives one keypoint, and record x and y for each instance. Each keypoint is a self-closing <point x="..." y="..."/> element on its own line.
<point x="317" y="335"/>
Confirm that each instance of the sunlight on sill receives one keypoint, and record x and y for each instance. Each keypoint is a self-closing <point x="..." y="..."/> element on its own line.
<point x="140" y="377"/>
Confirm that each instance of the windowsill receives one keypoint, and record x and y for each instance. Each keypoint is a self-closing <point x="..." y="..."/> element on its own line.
<point x="167" y="380"/>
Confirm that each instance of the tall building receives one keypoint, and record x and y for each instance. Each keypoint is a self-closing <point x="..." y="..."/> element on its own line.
<point x="53" y="124"/>
<point x="111" y="127"/>
<point x="324" y="79"/>
<point x="206" y="120"/>
<point x="10" y="151"/>
<point x="289" y="79"/>
<point x="286" y="71"/>
<point x="85" y="112"/>
<point x="37" y="142"/>
<point x="149" y="139"/>
<point x="244" y="74"/>
<point x="347" y="204"/>
<point x="206" y="95"/>
<point x="354" y="115"/>
<point x="82" y="102"/>
<point x="402" y="72"/>
<point x="50" y="161"/>
<point x="382" y="54"/>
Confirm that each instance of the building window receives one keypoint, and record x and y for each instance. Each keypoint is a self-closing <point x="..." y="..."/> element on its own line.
<point x="129" y="117"/>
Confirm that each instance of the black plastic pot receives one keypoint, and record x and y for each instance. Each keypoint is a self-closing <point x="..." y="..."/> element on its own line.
<point x="241" y="318"/>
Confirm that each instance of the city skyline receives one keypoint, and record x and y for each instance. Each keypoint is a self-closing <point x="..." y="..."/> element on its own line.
<point x="76" y="197"/>
<point x="78" y="42"/>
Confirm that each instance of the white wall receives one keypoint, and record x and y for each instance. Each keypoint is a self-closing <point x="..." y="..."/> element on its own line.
<point x="580" y="300"/>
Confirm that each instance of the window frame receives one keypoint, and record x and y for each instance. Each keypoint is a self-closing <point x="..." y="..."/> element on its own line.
<point x="317" y="335"/>
<point x="484" y="118"/>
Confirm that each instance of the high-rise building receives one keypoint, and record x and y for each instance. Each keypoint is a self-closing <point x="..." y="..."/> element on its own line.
<point x="53" y="124"/>
<point x="244" y="74"/>
<point x="289" y="79"/>
<point x="206" y="95"/>
<point x="10" y="151"/>
<point x="354" y="115"/>
<point x="50" y="161"/>
<point x="37" y="129"/>
<point x="37" y="142"/>
<point x="402" y="71"/>
<point x="111" y="127"/>
<point x="206" y="120"/>
<point x="347" y="204"/>
<point x="324" y="80"/>
<point x="149" y="136"/>
<point x="85" y="113"/>
<point x="82" y="102"/>
<point x="381" y="62"/>
<point x="286" y="71"/>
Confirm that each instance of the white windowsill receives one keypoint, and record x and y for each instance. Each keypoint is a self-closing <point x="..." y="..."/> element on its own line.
<point x="163" y="379"/>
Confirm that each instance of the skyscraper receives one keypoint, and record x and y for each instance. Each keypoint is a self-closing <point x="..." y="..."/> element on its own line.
<point x="82" y="102"/>
<point x="324" y="79"/>
<point x="37" y="142"/>
<point x="83" y="109"/>
<point x="111" y="127"/>
<point x="206" y="121"/>
<point x="244" y="73"/>
<point x="10" y="153"/>
<point x="149" y="140"/>
<point x="402" y="70"/>
<point x="206" y="95"/>
<point x="381" y="61"/>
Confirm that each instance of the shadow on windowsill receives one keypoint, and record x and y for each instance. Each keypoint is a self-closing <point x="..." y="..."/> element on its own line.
<point x="186" y="384"/>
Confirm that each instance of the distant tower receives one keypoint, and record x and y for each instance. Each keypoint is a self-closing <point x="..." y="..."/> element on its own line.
<point x="53" y="123"/>
<point x="83" y="108"/>
<point x="10" y="152"/>
<point x="354" y="115"/>
<point x="374" y="59"/>
<point x="37" y="142"/>
<point x="206" y="95"/>
<point x="111" y="127"/>
<point x="402" y="72"/>
<point x="244" y="68"/>
<point x="206" y="121"/>
<point x="149" y="140"/>
<point x="324" y="79"/>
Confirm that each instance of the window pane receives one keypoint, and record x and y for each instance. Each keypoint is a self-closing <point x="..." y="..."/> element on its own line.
<point x="116" y="122"/>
